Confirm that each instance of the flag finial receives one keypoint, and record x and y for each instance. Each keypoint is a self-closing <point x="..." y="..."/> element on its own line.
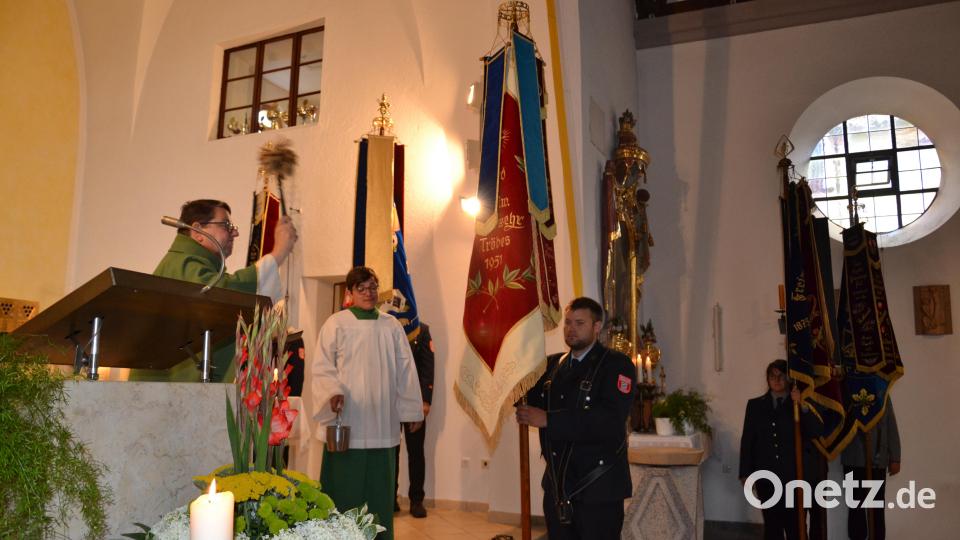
<point x="784" y="147"/>
<point x="383" y="124"/>
<point x="514" y="15"/>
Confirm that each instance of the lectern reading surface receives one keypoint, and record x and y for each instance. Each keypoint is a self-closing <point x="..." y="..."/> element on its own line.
<point x="135" y="320"/>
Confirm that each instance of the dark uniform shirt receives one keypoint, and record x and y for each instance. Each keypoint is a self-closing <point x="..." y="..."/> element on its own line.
<point x="422" y="347"/>
<point x="587" y="404"/>
<point x="767" y="440"/>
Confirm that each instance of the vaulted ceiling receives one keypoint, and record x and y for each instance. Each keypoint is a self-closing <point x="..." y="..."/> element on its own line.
<point x="665" y="22"/>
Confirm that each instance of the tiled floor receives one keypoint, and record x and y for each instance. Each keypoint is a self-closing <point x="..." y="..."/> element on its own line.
<point x="443" y="524"/>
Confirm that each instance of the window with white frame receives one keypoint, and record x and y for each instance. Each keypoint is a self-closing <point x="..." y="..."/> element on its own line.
<point x="885" y="165"/>
<point x="271" y="84"/>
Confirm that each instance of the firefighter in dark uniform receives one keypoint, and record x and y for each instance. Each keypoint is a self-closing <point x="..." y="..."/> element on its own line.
<point x="422" y="347"/>
<point x="767" y="444"/>
<point x="581" y="405"/>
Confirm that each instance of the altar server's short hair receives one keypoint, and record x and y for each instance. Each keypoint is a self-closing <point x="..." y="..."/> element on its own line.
<point x="359" y="274"/>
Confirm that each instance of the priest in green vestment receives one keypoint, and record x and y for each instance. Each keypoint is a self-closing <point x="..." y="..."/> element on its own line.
<point x="195" y="258"/>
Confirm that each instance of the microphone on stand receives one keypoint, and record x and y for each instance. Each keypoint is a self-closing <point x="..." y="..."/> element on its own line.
<point x="177" y="224"/>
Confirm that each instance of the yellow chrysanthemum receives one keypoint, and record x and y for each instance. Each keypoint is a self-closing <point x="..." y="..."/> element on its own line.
<point x="250" y="486"/>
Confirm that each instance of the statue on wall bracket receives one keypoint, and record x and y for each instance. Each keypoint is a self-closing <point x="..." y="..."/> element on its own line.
<point x="626" y="239"/>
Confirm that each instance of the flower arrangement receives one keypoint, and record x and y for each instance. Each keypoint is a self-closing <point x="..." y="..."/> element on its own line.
<point x="355" y="524"/>
<point x="268" y="503"/>
<point x="271" y="502"/>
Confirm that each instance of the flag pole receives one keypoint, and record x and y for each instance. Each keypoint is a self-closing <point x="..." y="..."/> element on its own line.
<point x="798" y="456"/>
<point x="524" y="478"/>
<point x="784" y="168"/>
<point x="868" y="464"/>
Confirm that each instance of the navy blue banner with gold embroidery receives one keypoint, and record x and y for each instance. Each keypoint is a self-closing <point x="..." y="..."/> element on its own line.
<point x="868" y="347"/>
<point x="810" y="342"/>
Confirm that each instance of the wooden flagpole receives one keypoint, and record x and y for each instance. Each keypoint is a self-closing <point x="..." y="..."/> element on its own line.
<point x="798" y="455"/>
<point x="868" y="464"/>
<point x="525" y="480"/>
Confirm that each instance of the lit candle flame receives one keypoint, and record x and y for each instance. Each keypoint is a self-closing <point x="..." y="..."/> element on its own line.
<point x="213" y="487"/>
<point x="276" y="374"/>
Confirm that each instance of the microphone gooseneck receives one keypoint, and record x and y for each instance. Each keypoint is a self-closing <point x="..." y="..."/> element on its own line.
<point x="177" y="224"/>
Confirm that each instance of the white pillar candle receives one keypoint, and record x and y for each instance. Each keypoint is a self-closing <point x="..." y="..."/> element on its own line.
<point x="211" y="515"/>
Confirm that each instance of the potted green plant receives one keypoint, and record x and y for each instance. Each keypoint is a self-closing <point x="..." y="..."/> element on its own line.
<point x="683" y="412"/>
<point x="662" y="411"/>
<point x="48" y="475"/>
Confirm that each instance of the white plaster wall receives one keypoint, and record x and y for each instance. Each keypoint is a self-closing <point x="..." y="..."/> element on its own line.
<point x="151" y="101"/>
<point x="710" y="113"/>
<point x="609" y="87"/>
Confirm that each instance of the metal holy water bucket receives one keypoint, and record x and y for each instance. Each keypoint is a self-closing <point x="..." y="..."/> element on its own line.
<point x="338" y="436"/>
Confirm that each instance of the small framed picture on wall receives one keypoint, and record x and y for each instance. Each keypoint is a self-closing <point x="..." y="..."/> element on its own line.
<point x="339" y="295"/>
<point x="931" y="310"/>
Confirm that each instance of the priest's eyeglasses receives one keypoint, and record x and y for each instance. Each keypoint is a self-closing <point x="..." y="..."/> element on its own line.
<point x="230" y="226"/>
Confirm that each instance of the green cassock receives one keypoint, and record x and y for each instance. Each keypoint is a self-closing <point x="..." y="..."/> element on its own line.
<point x="189" y="261"/>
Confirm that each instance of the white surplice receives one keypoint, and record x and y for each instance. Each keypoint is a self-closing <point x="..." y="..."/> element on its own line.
<point x="371" y="364"/>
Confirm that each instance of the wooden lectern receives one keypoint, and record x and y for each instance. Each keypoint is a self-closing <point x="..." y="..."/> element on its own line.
<point x="129" y="319"/>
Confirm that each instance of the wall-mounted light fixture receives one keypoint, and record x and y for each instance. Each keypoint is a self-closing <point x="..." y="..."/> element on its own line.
<point x="470" y="206"/>
<point x="473" y="96"/>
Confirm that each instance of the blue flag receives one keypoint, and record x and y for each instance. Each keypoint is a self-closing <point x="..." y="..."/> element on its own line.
<point x="403" y="305"/>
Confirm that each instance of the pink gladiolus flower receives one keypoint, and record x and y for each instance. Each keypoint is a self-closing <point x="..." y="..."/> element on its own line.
<point x="282" y="422"/>
<point x="253" y="398"/>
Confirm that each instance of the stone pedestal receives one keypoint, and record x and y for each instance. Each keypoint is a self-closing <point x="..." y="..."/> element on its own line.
<point x="153" y="437"/>
<point x="667" y="501"/>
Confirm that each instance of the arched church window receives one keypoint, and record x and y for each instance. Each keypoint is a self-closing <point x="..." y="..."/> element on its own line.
<point x="884" y="164"/>
<point x="271" y="84"/>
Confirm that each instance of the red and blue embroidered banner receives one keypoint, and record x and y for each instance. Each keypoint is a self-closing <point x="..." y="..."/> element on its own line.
<point x="511" y="296"/>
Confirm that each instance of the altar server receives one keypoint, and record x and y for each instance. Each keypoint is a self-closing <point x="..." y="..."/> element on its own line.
<point x="363" y="368"/>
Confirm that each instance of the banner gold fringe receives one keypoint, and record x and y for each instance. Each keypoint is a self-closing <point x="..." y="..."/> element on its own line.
<point x="521" y="388"/>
